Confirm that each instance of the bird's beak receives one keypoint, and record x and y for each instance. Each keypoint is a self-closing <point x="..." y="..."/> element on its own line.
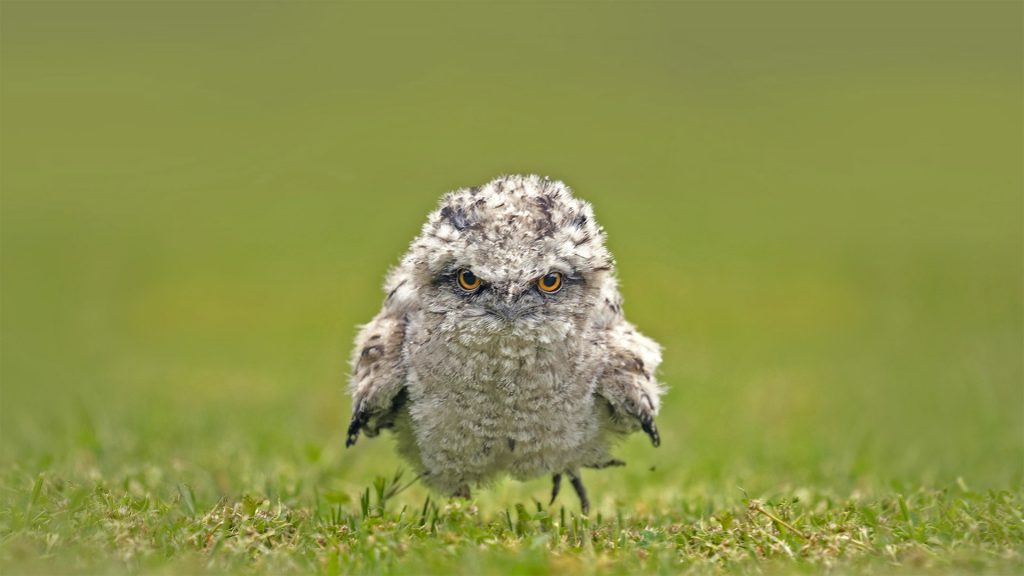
<point x="506" y="311"/>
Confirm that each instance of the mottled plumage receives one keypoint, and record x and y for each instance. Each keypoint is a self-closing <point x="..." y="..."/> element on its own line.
<point x="505" y="378"/>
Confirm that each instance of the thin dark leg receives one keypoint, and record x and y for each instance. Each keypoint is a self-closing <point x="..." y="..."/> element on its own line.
<point x="556" y="485"/>
<point x="462" y="492"/>
<point x="577" y="485"/>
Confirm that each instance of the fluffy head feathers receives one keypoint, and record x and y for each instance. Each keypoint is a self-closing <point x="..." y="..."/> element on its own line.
<point x="522" y="225"/>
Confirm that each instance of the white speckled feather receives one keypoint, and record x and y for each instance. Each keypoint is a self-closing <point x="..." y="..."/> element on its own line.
<point x="506" y="378"/>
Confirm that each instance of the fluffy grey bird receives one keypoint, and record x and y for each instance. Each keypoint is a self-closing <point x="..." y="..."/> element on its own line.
<point x="501" y="347"/>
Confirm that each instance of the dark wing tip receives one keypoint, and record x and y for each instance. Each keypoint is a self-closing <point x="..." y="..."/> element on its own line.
<point x="649" y="427"/>
<point x="358" y="420"/>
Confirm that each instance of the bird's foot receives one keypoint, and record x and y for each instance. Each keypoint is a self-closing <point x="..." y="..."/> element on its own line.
<point x="608" y="464"/>
<point x="556" y="485"/>
<point x="581" y="491"/>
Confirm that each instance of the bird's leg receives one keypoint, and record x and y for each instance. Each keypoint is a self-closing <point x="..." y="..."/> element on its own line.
<point x="577" y="485"/>
<point x="556" y="485"/>
<point x="462" y="492"/>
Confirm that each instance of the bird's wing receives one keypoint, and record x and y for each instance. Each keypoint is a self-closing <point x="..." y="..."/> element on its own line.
<point x="377" y="382"/>
<point x="628" y="382"/>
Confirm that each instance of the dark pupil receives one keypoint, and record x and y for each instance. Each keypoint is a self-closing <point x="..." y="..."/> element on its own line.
<point x="468" y="278"/>
<point x="550" y="280"/>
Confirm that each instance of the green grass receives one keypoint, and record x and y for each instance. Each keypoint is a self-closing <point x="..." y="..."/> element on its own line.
<point x="102" y="526"/>
<point x="816" y="209"/>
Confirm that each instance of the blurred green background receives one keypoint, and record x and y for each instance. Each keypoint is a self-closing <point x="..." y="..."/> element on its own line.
<point x="816" y="209"/>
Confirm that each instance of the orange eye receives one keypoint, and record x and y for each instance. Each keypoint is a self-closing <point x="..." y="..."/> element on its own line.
<point x="550" y="283"/>
<point x="468" y="281"/>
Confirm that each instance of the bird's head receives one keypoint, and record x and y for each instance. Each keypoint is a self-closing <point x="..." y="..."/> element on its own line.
<point x="518" y="254"/>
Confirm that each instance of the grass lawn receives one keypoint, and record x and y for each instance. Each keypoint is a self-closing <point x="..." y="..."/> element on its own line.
<point x="816" y="209"/>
